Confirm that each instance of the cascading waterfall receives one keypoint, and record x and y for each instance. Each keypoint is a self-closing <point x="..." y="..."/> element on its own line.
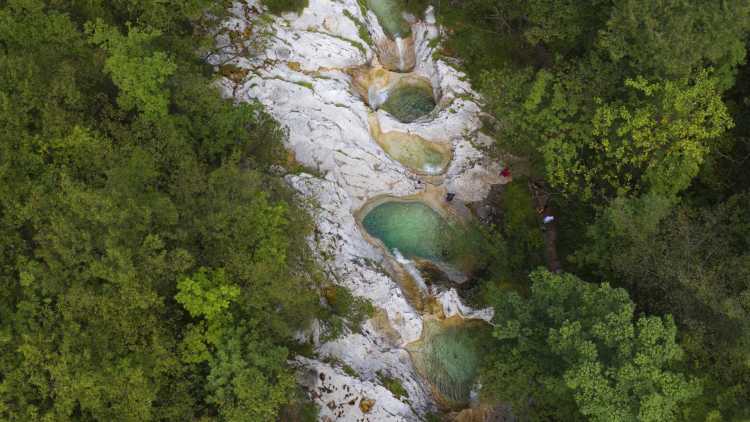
<point x="412" y="269"/>
<point x="398" y="31"/>
<point x="376" y="96"/>
<point x="448" y="353"/>
<point x="401" y="54"/>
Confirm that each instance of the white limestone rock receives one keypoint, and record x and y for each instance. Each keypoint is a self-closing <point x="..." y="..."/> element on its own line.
<point x="328" y="130"/>
<point x="452" y="306"/>
<point x="371" y="360"/>
<point x="299" y="76"/>
<point x="316" y="50"/>
<point x="356" y="262"/>
<point x="471" y="174"/>
<point x="340" y="396"/>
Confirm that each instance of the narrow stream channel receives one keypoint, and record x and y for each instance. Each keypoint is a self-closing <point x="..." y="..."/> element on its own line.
<point x="448" y="352"/>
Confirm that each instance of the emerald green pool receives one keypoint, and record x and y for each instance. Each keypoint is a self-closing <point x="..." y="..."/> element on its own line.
<point x="449" y="356"/>
<point x="409" y="101"/>
<point x="415" y="229"/>
<point x="390" y="16"/>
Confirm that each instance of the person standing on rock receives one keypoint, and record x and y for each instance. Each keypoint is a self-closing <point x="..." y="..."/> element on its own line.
<point x="505" y="172"/>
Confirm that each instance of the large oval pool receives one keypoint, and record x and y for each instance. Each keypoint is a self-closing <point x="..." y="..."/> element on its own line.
<point x="413" y="228"/>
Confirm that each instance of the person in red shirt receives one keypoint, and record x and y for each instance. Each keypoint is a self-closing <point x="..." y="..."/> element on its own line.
<point x="505" y="172"/>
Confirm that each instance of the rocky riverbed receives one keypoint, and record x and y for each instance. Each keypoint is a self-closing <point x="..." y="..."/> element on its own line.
<point x="306" y="76"/>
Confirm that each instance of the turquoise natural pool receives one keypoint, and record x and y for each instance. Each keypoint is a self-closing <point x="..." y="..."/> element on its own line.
<point x="409" y="101"/>
<point x="414" y="228"/>
<point x="390" y="16"/>
<point x="448" y="355"/>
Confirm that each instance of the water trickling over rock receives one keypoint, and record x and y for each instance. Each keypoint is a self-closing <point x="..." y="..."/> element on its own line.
<point x="396" y="52"/>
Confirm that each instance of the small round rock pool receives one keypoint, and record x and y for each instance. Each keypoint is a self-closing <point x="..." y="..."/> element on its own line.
<point x="409" y="99"/>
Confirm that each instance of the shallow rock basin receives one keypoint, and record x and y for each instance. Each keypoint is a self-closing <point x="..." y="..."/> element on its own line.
<point x="448" y="356"/>
<point x="412" y="228"/>
<point x="418" y="154"/>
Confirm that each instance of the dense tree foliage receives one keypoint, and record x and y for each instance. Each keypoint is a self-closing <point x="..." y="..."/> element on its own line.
<point x="677" y="38"/>
<point x="652" y="137"/>
<point x="692" y="263"/>
<point x="574" y="350"/>
<point x="153" y="268"/>
<point x="150" y="267"/>
<point x="634" y="116"/>
<point x="282" y="6"/>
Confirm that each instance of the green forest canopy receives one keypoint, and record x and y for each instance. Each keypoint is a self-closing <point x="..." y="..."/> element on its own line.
<point x="153" y="269"/>
<point x="634" y="117"/>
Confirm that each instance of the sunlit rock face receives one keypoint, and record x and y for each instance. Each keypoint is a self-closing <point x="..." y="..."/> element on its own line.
<point x="304" y="77"/>
<point x="348" y="398"/>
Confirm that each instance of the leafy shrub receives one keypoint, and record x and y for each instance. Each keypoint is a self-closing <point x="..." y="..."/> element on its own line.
<point x="393" y="385"/>
<point x="416" y="7"/>
<point x="278" y="7"/>
<point x="345" y="310"/>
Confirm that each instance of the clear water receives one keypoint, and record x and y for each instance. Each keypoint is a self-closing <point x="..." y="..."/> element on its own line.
<point x="415" y="229"/>
<point x="409" y="101"/>
<point x="390" y="16"/>
<point x="449" y="356"/>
